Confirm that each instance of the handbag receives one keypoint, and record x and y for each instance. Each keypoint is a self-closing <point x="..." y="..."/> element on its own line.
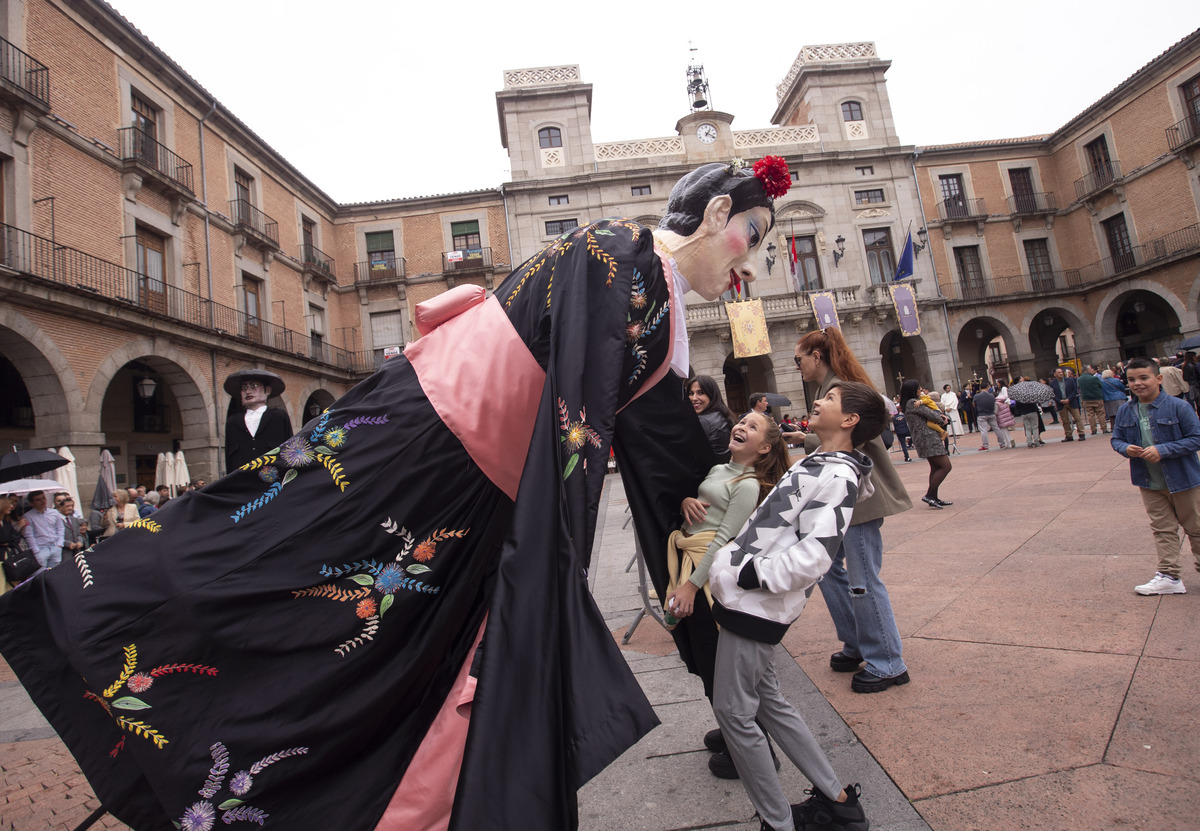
<point x="19" y="563"/>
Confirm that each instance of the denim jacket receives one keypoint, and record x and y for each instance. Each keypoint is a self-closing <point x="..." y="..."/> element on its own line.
<point x="1176" y="431"/>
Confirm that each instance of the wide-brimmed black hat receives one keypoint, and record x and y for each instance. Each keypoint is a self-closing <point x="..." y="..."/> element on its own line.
<point x="233" y="384"/>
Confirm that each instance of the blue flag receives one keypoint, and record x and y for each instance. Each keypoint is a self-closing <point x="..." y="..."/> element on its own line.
<point x="905" y="267"/>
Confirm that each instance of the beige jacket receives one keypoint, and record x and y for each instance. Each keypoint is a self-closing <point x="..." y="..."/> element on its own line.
<point x="890" y="497"/>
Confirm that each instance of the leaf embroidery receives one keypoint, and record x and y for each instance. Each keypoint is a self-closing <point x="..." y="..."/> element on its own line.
<point x="85" y="571"/>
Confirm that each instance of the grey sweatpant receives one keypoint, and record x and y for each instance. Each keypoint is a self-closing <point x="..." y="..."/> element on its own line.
<point x="745" y="687"/>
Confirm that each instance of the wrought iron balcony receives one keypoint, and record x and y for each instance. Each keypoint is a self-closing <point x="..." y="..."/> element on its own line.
<point x="389" y="267"/>
<point x="1098" y="179"/>
<point x="959" y="208"/>
<point x="1024" y="204"/>
<point x="39" y="258"/>
<point x="22" y="78"/>
<point x="141" y="152"/>
<point x="317" y="263"/>
<point x="1183" y="134"/>
<point x="467" y="259"/>
<point x="254" y="223"/>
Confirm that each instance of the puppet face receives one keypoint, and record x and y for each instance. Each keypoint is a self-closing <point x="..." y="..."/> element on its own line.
<point x="727" y="248"/>
<point x="254" y="394"/>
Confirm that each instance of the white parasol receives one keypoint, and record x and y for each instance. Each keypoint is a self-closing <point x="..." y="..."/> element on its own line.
<point x="182" y="477"/>
<point x="164" y="470"/>
<point x="69" y="476"/>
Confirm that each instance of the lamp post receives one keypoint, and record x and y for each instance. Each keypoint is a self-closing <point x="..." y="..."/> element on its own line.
<point x="840" y="252"/>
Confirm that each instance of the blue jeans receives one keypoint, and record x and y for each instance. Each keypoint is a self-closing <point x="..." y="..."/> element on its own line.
<point x="858" y="601"/>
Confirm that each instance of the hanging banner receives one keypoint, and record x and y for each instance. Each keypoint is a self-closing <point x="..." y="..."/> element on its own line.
<point x="825" y="309"/>
<point x="906" y="308"/>
<point x="748" y="325"/>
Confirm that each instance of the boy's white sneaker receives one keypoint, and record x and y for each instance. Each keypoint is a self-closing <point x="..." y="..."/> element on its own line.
<point x="1161" y="584"/>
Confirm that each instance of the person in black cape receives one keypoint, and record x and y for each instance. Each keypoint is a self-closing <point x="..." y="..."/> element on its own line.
<point x="273" y="649"/>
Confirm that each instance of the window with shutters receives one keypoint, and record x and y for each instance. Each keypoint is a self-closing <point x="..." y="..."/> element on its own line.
<point x="881" y="262"/>
<point x="465" y="236"/>
<point x="806" y="270"/>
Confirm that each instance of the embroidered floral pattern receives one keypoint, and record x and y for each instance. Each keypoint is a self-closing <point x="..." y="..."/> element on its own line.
<point x="573" y="435"/>
<point x="373" y="585"/>
<point x="637" y="329"/>
<point x="200" y="816"/>
<point x="298" y="453"/>
<point x="138" y="683"/>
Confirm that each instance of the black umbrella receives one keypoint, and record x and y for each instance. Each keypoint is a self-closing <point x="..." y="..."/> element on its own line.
<point x="1191" y="343"/>
<point x="1031" y="392"/>
<point x="774" y="399"/>
<point x="25" y="464"/>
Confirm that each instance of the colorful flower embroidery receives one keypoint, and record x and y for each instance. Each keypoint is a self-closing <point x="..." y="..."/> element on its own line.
<point x="200" y="816"/>
<point x="371" y="579"/>
<point x="299" y="452"/>
<point x="138" y="683"/>
<point x="638" y="329"/>
<point x="574" y="434"/>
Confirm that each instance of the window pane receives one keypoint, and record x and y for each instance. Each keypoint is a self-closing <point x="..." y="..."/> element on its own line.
<point x="460" y="228"/>
<point x="386" y="330"/>
<point x="852" y="111"/>
<point x="380" y="241"/>
<point x="550" y="137"/>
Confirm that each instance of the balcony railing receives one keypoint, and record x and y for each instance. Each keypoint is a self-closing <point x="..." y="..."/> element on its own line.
<point x="1184" y="133"/>
<point x="141" y="149"/>
<point x="389" y="267"/>
<point x="1177" y="243"/>
<point x="23" y="72"/>
<point x="1031" y="203"/>
<point x="1098" y="179"/>
<point x="961" y="208"/>
<point x="38" y="257"/>
<point x="247" y="216"/>
<point x="466" y="259"/>
<point x="314" y="258"/>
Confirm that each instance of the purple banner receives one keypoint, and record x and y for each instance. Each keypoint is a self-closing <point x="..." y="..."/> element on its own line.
<point x="825" y="309"/>
<point x="906" y="309"/>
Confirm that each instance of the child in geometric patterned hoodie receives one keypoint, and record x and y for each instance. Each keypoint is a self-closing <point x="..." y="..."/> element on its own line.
<point x="760" y="582"/>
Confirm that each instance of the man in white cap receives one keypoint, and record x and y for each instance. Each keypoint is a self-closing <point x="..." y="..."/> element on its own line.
<point x="251" y="433"/>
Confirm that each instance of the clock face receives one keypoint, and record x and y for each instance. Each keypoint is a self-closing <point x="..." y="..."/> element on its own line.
<point x="707" y="133"/>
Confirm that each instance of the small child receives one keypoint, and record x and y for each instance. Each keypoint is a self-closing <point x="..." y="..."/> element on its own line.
<point x="1161" y="434"/>
<point x="937" y="408"/>
<point x="760" y="583"/>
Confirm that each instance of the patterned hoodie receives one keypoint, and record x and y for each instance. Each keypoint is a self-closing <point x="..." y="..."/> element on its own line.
<point x="762" y="579"/>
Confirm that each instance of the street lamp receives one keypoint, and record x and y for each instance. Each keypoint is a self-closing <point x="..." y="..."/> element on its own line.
<point x="770" y="257"/>
<point x="145" y="388"/>
<point x="841" y="249"/>
<point x="918" y="247"/>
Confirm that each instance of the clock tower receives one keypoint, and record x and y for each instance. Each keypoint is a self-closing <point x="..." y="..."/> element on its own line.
<point x="707" y="136"/>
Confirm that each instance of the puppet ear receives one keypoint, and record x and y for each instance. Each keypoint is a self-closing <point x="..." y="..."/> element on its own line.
<point x="716" y="213"/>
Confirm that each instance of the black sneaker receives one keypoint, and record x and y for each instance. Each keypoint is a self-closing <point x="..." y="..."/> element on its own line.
<point x="714" y="741"/>
<point x="721" y="764"/>
<point x="819" y="811"/>
<point x="841" y="662"/>
<point x="766" y="826"/>
<point x="931" y="502"/>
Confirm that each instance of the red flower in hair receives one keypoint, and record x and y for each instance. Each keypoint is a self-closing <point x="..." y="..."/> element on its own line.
<point x="772" y="171"/>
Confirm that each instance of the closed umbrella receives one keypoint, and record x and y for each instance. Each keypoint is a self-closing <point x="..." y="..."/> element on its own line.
<point x="25" y="464"/>
<point x="182" y="477"/>
<point x="69" y="476"/>
<point x="164" y="470"/>
<point x="106" y="483"/>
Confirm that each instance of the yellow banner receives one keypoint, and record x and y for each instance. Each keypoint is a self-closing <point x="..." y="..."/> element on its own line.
<point x="748" y="325"/>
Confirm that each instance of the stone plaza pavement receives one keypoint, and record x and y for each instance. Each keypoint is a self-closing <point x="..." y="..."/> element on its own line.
<point x="1045" y="693"/>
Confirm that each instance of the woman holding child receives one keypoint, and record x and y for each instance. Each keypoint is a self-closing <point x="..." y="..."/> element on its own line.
<point x="929" y="444"/>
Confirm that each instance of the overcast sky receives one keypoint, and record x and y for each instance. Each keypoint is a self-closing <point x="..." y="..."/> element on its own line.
<point x="379" y="100"/>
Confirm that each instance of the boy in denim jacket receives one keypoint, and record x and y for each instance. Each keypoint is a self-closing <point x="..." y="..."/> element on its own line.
<point x="1160" y="434"/>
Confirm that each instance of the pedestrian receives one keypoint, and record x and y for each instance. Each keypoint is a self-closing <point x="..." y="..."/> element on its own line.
<point x="1066" y="394"/>
<point x="1091" y="393"/>
<point x="966" y="406"/>
<point x="903" y="437"/>
<point x="1173" y="382"/>
<point x="928" y="444"/>
<point x="74" y="529"/>
<point x="1115" y="394"/>
<point x="149" y="504"/>
<point x="985" y="417"/>
<point x="1191" y="375"/>
<point x="760" y="583"/>
<point x="854" y="592"/>
<point x="45" y="531"/>
<point x="1160" y="434"/>
<point x="949" y="403"/>
<point x="1053" y="409"/>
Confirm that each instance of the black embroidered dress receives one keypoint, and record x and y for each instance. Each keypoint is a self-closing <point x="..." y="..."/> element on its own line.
<point x="271" y="650"/>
